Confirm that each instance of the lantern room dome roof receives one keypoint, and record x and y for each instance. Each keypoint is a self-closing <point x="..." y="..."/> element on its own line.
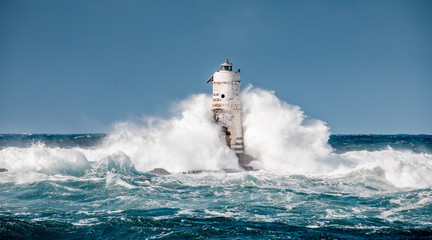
<point x="226" y="63"/>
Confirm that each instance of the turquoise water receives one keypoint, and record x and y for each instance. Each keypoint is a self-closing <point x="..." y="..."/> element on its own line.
<point x="308" y="184"/>
<point x="111" y="199"/>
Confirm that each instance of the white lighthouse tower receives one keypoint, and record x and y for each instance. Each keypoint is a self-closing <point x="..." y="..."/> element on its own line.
<point x="226" y="107"/>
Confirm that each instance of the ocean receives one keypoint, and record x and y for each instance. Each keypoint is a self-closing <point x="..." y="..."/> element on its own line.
<point x="307" y="182"/>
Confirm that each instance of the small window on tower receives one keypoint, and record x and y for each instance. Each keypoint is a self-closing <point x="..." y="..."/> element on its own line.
<point x="223" y="96"/>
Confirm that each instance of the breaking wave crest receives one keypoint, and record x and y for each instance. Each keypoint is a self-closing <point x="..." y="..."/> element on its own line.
<point x="279" y="135"/>
<point x="187" y="141"/>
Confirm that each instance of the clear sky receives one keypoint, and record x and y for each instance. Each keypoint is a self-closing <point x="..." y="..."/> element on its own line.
<point x="80" y="66"/>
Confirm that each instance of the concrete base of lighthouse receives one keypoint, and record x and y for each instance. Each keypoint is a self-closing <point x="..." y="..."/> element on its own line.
<point x="244" y="160"/>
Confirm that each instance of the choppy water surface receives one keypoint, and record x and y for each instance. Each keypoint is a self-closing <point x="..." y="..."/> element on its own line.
<point x="310" y="184"/>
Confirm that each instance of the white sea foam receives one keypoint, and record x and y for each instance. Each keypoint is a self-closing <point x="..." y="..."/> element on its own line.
<point x="87" y="222"/>
<point x="279" y="135"/>
<point x="43" y="159"/>
<point x="39" y="162"/>
<point x="187" y="141"/>
<point x="283" y="139"/>
<point x="401" y="168"/>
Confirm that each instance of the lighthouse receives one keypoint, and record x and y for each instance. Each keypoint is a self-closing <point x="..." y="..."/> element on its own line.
<point x="226" y="107"/>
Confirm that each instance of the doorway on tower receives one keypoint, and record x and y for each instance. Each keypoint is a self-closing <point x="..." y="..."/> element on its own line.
<point x="225" y="133"/>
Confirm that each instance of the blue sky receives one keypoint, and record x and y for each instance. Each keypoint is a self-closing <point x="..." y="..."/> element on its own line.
<point x="80" y="66"/>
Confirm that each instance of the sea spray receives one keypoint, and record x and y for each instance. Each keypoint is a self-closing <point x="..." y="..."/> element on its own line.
<point x="277" y="134"/>
<point x="39" y="162"/>
<point x="403" y="169"/>
<point x="283" y="139"/>
<point x="280" y="136"/>
<point x="92" y="186"/>
<point x="189" y="140"/>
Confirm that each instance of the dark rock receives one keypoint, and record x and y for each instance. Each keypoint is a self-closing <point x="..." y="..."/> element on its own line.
<point x="231" y="170"/>
<point x="248" y="168"/>
<point x="244" y="160"/>
<point x="194" y="172"/>
<point x="3" y="170"/>
<point x="160" y="171"/>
